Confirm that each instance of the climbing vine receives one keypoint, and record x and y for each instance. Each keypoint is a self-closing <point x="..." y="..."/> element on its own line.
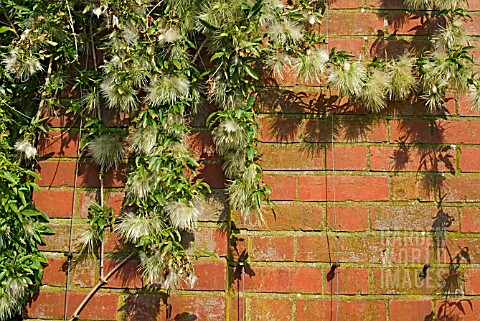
<point x="162" y="62"/>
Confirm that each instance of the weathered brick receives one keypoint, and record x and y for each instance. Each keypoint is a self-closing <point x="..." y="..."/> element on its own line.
<point x="325" y="310"/>
<point x="58" y="144"/>
<point x="350" y="281"/>
<point x="55" y="272"/>
<point x="412" y="159"/>
<point x="113" y="199"/>
<point x="128" y="276"/>
<point x="284" y="279"/>
<point x="145" y="307"/>
<point x="300" y="157"/>
<point x="272" y="248"/>
<point x="419" y="310"/>
<point x="50" y="305"/>
<point x="470" y="160"/>
<point x="410" y="131"/>
<point x="464" y="310"/>
<point x="460" y="189"/>
<point x="211" y="276"/>
<point x="212" y="174"/>
<point x="212" y="239"/>
<point x="414" y="188"/>
<point x="348" y="218"/>
<point x="354" y="249"/>
<point x="463" y="250"/>
<point x="472" y="281"/>
<point x="345" y="130"/>
<point x="347" y="23"/>
<point x="270" y="309"/>
<point x="354" y="46"/>
<point x="398" y="280"/>
<point x="346" y="158"/>
<point x="457" y="131"/>
<point x="414" y="218"/>
<point x="187" y="307"/>
<point x="278" y="130"/>
<point x="289" y="216"/>
<point x="284" y="188"/>
<point x="55" y="203"/>
<point x="356" y="188"/>
<point x="407" y="24"/>
<point x="411" y="249"/>
<point x="470" y="219"/>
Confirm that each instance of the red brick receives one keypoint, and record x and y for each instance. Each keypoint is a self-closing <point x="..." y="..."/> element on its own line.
<point x="386" y="4"/>
<point x="411" y="249"/>
<point x="349" y="23"/>
<point x="464" y="249"/>
<point x="470" y="160"/>
<point x="404" y="280"/>
<point x="272" y="248"/>
<point x="410" y="131"/>
<point x="186" y="307"/>
<point x="412" y="159"/>
<point x="59" y="242"/>
<point x="112" y="199"/>
<point x="84" y="272"/>
<point x="61" y="119"/>
<point x="59" y="173"/>
<point x="345" y="130"/>
<point x="283" y="187"/>
<point x="291" y="157"/>
<point x="465" y="189"/>
<point x="284" y="280"/>
<point x="55" y="203"/>
<point x="50" y="305"/>
<point x="464" y="104"/>
<point x="270" y="309"/>
<point x="472" y="281"/>
<point x="128" y="276"/>
<point x="419" y="310"/>
<point x="145" y="307"/>
<point x="348" y="218"/>
<point x="413" y="218"/>
<point x="212" y="239"/>
<point x="211" y="276"/>
<point x="202" y="146"/>
<point x="410" y="24"/>
<point x="354" y="46"/>
<point x="278" y="130"/>
<point x="326" y="310"/>
<point x="347" y="157"/>
<point x="346" y="4"/>
<point x="357" y="249"/>
<point x="55" y="272"/>
<point x="350" y="281"/>
<point x="470" y="219"/>
<point x="291" y="101"/>
<point x="356" y="188"/>
<point x="462" y="310"/>
<point x="289" y="216"/>
<point x="56" y="144"/>
<point x="212" y="174"/>
<point x="455" y="132"/>
<point x="473" y="27"/>
<point x="413" y="188"/>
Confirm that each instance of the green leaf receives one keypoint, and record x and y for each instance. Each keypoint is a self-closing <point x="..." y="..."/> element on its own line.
<point x="208" y="25"/>
<point x="250" y="72"/>
<point x="4" y="29"/>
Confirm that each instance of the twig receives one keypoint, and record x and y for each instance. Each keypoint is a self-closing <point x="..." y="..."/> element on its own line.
<point x="44" y="92"/>
<point x="98" y="286"/>
<point x="73" y="29"/>
<point x="9" y="21"/>
<point x="102" y="248"/>
<point x="199" y="50"/>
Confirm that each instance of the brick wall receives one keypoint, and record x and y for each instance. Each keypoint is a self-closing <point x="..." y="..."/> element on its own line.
<point x="397" y="190"/>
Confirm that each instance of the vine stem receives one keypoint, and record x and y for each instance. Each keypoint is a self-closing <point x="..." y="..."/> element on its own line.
<point x="94" y="290"/>
<point x="44" y="92"/>
<point x="102" y="247"/>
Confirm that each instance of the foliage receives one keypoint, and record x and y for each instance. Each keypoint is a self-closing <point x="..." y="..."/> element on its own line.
<point x="162" y="62"/>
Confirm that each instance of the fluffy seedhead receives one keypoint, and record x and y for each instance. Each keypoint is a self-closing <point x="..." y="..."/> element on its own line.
<point x="90" y="101"/>
<point x="276" y="64"/>
<point x="184" y="214"/>
<point x="375" y="91"/>
<point x="285" y="31"/>
<point x="141" y="183"/>
<point x="11" y="298"/>
<point x="402" y="80"/>
<point x="311" y="66"/>
<point x="26" y="149"/>
<point x="234" y="163"/>
<point x="452" y="35"/>
<point x="434" y="95"/>
<point x="228" y="136"/>
<point x="418" y="4"/>
<point x="106" y="150"/>
<point x="474" y="95"/>
<point x="119" y="95"/>
<point x="21" y="65"/>
<point x="167" y="90"/>
<point x="454" y="72"/>
<point x="144" y="140"/>
<point x="134" y="226"/>
<point x="88" y="241"/>
<point x="348" y="78"/>
<point x="153" y="267"/>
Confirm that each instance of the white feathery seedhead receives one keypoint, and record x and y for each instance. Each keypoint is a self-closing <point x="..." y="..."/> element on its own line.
<point x="277" y="63"/>
<point x="447" y="4"/>
<point x="106" y="150"/>
<point x="21" y="66"/>
<point x="228" y="136"/>
<point x="348" y="78"/>
<point x="234" y="163"/>
<point x="285" y="32"/>
<point x="418" y="4"/>
<point x="88" y="241"/>
<point x="144" y="140"/>
<point x="311" y="66"/>
<point x="375" y="91"/>
<point x="26" y="149"/>
<point x="153" y="267"/>
<point x="172" y="280"/>
<point x="402" y="80"/>
<point x="474" y="95"/>
<point x="172" y="35"/>
<point x="191" y="280"/>
<point x="434" y="95"/>
<point x="184" y="214"/>
<point x="120" y="97"/>
<point x="167" y="90"/>
<point x="133" y="227"/>
<point x="10" y="301"/>
<point x="452" y="35"/>
<point x="141" y="183"/>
